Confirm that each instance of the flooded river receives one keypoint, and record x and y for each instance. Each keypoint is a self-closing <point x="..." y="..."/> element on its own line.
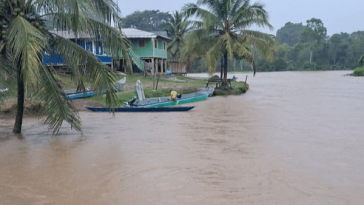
<point x="293" y="138"/>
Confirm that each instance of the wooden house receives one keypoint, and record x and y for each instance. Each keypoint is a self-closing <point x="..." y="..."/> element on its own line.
<point x="148" y="50"/>
<point x="85" y="41"/>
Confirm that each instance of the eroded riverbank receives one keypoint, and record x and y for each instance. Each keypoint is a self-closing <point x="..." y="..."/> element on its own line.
<point x="294" y="138"/>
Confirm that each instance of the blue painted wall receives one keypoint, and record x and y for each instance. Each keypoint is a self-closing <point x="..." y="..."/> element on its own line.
<point x="57" y="60"/>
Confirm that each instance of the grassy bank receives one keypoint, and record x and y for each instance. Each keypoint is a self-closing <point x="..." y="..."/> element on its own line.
<point x="359" y="71"/>
<point x="181" y="84"/>
<point x="237" y="88"/>
<point x="125" y="96"/>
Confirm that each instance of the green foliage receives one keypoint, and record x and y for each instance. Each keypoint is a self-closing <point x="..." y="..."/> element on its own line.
<point x="359" y="71"/>
<point x="148" y="20"/>
<point x="361" y="60"/>
<point x="309" y="66"/>
<point x="314" y="34"/>
<point x="237" y="88"/>
<point x="221" y="32"/>
<point x="176" y="27"/>
<point x="338" y="52"/>
<point x="290" y="33"/>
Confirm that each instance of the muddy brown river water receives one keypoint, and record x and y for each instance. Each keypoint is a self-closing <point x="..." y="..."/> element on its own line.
<point x="293" y="138"/>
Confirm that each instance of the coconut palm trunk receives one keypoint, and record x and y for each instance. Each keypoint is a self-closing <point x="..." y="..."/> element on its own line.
<point x="224" y="83"/>
<point x="20" y="104"/>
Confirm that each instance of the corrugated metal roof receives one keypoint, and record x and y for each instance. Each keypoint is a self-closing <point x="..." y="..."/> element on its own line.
<point x="70" y="34"/>
<point x="128" y="32"/>
<point x="161" y="33"/>
<point x="136" y="33"/>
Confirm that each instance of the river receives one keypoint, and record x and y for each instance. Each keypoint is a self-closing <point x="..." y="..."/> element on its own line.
<point x="293" y="138"/>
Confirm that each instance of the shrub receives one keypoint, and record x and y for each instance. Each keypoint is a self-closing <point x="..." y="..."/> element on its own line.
<point x="359" y="71"/>
<point x="309" y="66"/>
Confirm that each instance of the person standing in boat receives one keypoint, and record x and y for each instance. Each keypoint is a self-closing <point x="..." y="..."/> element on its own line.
<point x="173" y="96"/>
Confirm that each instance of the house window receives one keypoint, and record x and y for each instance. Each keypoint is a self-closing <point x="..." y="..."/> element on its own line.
<point x="141" y="43"/>
<point x="164" y="45"/>
<point x="155" y="44"/>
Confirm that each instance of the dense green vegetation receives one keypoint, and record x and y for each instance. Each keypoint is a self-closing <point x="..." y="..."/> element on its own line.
<point x="305" y="47"/>
<point x="312" y="49"/>
<point x="148" y="20"/>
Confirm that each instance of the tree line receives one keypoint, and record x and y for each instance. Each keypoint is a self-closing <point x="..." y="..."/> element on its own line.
<point x="300" y="47"/>
<point x="308" y="47"/>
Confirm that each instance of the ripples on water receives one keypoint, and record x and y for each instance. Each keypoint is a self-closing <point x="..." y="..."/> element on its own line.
<point x="293" y="138"/>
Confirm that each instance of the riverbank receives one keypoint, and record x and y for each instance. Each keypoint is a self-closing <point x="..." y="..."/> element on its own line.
<point x="181" y="84"/>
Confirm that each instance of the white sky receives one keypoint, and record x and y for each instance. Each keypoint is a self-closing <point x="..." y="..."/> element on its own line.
<point x="337" y="16"/>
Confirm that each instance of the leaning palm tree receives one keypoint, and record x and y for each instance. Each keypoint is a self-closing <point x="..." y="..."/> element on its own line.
<point x="25" y="39"/>
<point x="176" y="27"/>
<point x="221" y="31"/>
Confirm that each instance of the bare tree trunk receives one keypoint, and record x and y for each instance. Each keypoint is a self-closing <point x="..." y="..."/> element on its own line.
<point x="20" y="105"/>
<point x="311" y="56"/>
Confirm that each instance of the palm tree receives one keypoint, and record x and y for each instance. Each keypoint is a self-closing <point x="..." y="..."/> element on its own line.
<point x="25" y="39"/>
<point x="176" y="27"/>
<point x="221" y="31"/>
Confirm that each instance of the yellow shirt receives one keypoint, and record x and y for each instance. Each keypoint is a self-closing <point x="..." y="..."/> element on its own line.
<point x="173" y="94"/>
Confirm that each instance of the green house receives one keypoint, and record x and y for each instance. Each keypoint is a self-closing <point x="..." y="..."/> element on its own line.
<point x="148" y="51"/>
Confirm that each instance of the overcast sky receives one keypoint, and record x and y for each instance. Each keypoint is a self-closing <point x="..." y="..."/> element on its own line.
<point x="337" y="16"/>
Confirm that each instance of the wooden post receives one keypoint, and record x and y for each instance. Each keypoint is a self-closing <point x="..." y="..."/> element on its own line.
<point x="156" y="66"/>
<point x="246" y="78"/>
<point x="162" y="66"/>
<point x="156" y="87"/>
<point x="153" y="66"/>
<point x="166" y="66"/>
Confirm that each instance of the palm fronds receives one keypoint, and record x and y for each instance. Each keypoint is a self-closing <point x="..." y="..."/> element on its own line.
<point x="26" y="39"/>
<point x="225" y="24"/>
